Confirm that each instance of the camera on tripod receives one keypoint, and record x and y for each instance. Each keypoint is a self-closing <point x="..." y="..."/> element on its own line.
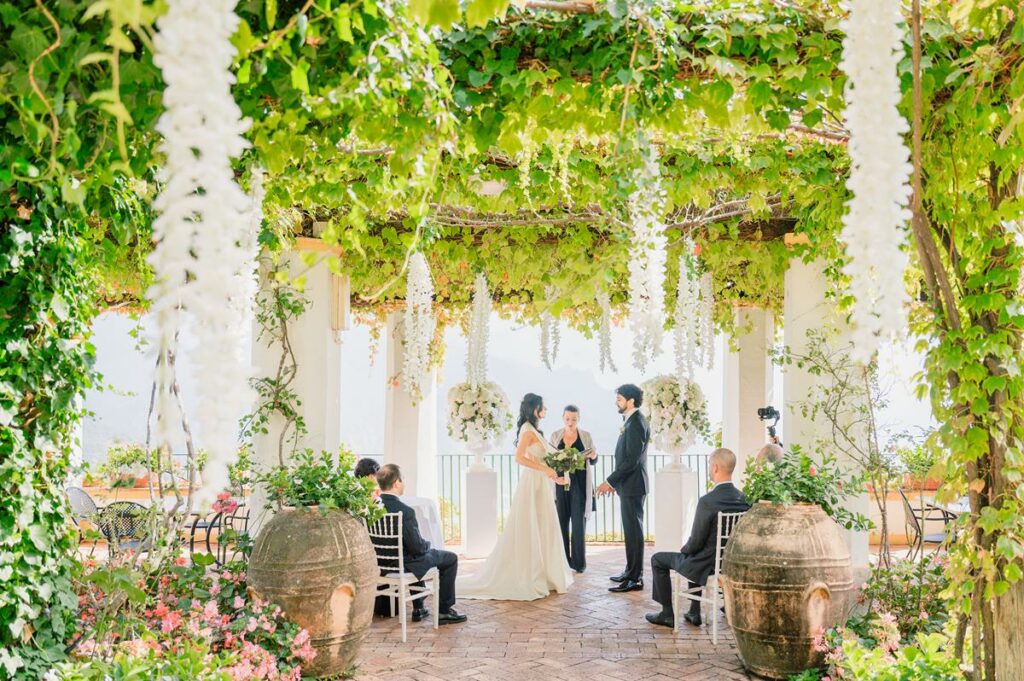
<point x="768" y="413"/>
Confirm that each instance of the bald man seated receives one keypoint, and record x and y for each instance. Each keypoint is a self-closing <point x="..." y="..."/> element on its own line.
<point x="696" y="560"/>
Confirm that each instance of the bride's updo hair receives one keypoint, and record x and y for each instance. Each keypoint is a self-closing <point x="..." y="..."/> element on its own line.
<point x="528" y="412"/>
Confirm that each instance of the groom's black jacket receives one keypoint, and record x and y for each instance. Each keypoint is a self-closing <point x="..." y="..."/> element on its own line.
<point x="629" y="478"/>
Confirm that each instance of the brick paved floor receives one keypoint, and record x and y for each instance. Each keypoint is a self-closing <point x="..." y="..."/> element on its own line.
<point x="587" y="633"/>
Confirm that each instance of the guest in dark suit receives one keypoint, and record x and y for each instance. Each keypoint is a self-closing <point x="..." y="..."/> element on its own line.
<point x="629" y="481"/>
<point x="419" y="557"/>
<point x="696" y="560"/>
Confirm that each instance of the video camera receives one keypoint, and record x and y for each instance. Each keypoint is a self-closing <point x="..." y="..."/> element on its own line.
<point x="770" y="412"/>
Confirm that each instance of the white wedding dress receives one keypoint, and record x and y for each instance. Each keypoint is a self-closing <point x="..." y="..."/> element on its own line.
<point x="528" y="562"/>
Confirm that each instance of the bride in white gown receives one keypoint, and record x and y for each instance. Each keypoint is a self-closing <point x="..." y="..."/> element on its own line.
<point x="528" y="561"/>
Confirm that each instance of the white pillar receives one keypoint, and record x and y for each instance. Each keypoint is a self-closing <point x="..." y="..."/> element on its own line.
<point x="747" y="376"/>
<point x="805" y="309"/>
<point x="479" y="509"/>
<point x="675" y="500"/>
<point x="410" y="430"/>
<point x="316" y="343"/>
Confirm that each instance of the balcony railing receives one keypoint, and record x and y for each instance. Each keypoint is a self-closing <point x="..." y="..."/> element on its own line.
<point x="603" y="526"/>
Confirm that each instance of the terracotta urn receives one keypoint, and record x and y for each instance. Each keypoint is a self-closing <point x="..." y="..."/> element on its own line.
<point x="321" y="569"/>
<point x="786" y="578"/>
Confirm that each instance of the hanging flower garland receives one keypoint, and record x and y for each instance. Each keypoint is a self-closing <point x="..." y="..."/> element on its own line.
<point x="647" y="261"/>
<point x="549" y="333"/>
<point x="604" y="332"/>
<point x="478" y="410"/>
<point x="203" y="257"/>
<point x="419" y="327"/>
<point x="479" y="324"/>
<point x="874" y="226"/>
<point x="686" y="332"/>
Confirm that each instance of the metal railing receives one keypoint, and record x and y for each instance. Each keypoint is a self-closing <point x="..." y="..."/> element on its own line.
<point x="603" y="526"/>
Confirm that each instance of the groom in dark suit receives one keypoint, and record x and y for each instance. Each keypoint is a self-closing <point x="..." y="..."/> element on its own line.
<point x="696" y="560"/>
<point x="629" y="481"/>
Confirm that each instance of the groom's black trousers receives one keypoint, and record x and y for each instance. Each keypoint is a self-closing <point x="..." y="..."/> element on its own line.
<point x="633" y="527"/>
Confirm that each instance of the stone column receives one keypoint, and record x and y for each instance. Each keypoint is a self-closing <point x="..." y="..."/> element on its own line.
<point x="410" y="430"/>
<point x="316" y="342"/>
<point x="747" y="377"/>
<point x="479" y="509"/>
<point x="805" y="309"/>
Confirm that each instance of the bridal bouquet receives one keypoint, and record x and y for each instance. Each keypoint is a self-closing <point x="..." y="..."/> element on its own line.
<point x="478" y="415"/>
<point x="678" y="413"/>
<point x="566" y="461"/>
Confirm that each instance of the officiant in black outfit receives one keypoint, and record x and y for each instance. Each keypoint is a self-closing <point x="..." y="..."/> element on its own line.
<point x="575" y="503"/>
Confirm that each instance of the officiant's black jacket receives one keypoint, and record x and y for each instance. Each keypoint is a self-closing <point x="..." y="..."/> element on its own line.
<point x="698" y="554"/>
<point x="413" y="543"/>
<point x="629" y="479"/>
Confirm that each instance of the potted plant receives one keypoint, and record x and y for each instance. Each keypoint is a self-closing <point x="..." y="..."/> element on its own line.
<point x="129" y="464"/>
<point x="919" y="459"/>
<point x="314" y="557"/>
<point x="786" y="570"/>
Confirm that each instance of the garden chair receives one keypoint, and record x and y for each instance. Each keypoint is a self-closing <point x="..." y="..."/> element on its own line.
<point x="710" y="593"/>
<point x="83" y="507"/>
<point x="125" y="524"/>
<point x="228" y="526"/>
<point x="915" y="518"/>
<point x="394" y="582"/>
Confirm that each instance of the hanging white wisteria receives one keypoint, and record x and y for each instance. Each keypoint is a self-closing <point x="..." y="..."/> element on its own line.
<point x="478" y="410"/>
<point x="686" y="332"/>
<point x="647" y="261"/>
<point x="706" y="322"/>
<point x="418" y="328"/>
<point x="203" y="258"/>
<point x="549" y="333"/>
<point x="604" y="332"/>
<point x="874" y="226"/>
<point x="479" y="322"/>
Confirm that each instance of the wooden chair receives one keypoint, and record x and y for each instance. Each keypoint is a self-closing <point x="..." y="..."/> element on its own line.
<point x="394" y="582"/>
<point x="915" y="521"/>
<point x="726" y="524"/>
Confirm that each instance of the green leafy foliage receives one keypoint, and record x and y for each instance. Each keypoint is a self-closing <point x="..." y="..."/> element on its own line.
<point x="323" y="480"/>
<point x="799" y="479"/>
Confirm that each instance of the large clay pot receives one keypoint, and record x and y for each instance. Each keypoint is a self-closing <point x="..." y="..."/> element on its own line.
<point x="322" y="571"/>
<point x="786" y="577"/>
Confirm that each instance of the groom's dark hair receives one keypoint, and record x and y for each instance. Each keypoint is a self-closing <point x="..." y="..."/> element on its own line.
<point x="631" y="392"/>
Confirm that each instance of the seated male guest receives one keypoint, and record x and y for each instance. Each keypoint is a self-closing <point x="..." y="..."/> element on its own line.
<point x="419" y="557"/>
<point x="696" y="560"/>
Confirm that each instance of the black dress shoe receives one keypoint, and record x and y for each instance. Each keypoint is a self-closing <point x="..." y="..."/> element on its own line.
<point x="450" y="617"/>
<point x="660" y="619"/>
<point x="420" y="614"/>
<point x="618" y="578"/>
<point x="693" y="619"/>
<point x="627" y="585"/>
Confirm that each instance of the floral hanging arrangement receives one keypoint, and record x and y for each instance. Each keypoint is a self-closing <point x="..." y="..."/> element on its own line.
<point x="549" y="333"/>
<point x="478" y="410"/>
<point x="706" y="322"/>
<point x="874" y="227"/>
<point x="686" y="332"/>
<point x="418" y="328"/>
<point x="604" y="332"/>
<point x="203" y="258"/>
<point x="647" y="261"/>
<point x="678" y="413"/>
